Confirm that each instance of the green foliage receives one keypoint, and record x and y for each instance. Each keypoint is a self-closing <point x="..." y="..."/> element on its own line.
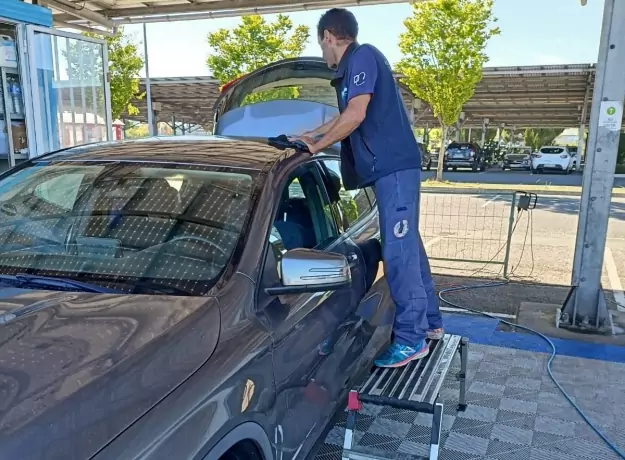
<point x="492" y="151"/>
<point x="443" y="52"/>
<point x="536" y="138"/>
<point x="125" y="63"/>
<point x="252" y="44"/>
<point x="349" y="209"/>
<point x="137" y="132"/>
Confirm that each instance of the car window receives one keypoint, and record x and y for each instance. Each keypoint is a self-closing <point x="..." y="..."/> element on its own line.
<point x="306" y="89"/>
<point x="353" y="204"/>
<point x="61" y="190"/>
<point x="552" y="150"/>
<point x="133" y="227"/>
<point x="303" y="219"/>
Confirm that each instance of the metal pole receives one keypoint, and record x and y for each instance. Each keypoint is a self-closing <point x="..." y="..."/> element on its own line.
<point x="586" y="307"/>
<point x="469" y="139"/>
<point x="506" y="259"/>
<point x="148" y="89"/>
<point x="582" y="125"/>
<point x="484" y="128"/>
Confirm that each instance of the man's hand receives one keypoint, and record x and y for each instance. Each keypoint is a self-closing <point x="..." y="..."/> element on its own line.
<point x="310" y="143"/>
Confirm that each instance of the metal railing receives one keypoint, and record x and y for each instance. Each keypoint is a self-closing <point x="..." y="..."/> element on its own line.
<point x="466" y="229"/>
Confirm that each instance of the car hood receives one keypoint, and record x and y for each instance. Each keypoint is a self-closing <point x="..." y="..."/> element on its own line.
<point x="76" y="369"/>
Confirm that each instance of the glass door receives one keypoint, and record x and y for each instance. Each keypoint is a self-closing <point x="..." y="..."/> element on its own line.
<point x="69" y="89"/>
<point x="13" y="137"/>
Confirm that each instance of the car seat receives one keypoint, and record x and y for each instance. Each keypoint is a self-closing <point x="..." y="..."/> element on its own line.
<point x="298" y="226"/>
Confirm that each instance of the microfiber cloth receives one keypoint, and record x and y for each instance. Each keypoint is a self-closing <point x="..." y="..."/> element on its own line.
<point x="282" y="142"/>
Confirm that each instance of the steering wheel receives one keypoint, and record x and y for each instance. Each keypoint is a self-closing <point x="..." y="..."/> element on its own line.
<point x="201" y="240"/>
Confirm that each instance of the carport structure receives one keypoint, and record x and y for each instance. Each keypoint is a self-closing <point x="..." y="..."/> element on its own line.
<point x="586" y="306"/>
<point x="531" y="96"/>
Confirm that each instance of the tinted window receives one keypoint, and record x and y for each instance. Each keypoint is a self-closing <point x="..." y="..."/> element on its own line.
<point x="303" y="219"/>
<point x="134" y="227"/>
<point x="552" y="150"/>
<point x="305" y="89"/>
<point x="295" y="79"/>
<point x="354" y="204"/>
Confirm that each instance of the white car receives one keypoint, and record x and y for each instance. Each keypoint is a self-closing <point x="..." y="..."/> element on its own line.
<point x="552" y="158"/>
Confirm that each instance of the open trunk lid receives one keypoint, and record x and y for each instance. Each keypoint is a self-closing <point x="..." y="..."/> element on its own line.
<point x="287" y="97"/>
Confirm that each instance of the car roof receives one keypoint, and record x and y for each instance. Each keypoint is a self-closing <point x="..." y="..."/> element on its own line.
<point x="206" y="150"/>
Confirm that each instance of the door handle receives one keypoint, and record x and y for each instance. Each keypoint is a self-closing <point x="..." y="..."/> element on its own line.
<point x="352" y="257"/>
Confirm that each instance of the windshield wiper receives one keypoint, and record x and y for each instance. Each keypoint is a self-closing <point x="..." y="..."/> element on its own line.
<point x="24" y="279"/>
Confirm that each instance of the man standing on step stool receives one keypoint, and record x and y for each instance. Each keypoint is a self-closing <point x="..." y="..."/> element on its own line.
<point x="379" y="149"/>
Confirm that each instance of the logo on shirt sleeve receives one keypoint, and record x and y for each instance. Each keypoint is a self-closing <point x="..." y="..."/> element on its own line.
<point x="359" y="79"/>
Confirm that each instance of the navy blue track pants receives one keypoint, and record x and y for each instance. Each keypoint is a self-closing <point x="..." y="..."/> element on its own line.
<point x="406" y="264"/>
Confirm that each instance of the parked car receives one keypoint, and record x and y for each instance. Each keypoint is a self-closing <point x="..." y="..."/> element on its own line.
<point x="157" y="299"/>
<point x="464" y="155"/>
<point x="576" y="159"/>
<point x="552" y="158"/>
<point x="517" y="159"/>
<point x="426" y="157"/>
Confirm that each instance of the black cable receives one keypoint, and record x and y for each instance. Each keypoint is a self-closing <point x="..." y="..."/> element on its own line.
<point x="442" y="292"/>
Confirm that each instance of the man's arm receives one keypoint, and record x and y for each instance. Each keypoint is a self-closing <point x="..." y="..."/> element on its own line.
<point x="363" y="73"/>
<point x="347" y="122"/>
<point x="321" y="130"/>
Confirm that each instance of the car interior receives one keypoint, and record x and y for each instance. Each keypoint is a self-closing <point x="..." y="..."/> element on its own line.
<point x="302" y="220"/>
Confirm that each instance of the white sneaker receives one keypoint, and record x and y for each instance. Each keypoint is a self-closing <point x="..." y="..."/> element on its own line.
<point x="436" y="334"/>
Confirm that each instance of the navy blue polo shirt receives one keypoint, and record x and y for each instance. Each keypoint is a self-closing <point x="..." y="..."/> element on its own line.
<point x="384" y="142"/>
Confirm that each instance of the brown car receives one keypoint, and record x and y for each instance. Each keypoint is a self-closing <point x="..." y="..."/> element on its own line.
<point x="182" y="298"/>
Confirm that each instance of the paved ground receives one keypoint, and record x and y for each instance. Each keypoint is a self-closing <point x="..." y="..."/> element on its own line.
<point x="515" y="412"/>
<point x="496" y="176"/>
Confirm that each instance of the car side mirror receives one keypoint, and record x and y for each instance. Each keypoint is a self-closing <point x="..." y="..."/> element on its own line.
<point x="308" y="270"/>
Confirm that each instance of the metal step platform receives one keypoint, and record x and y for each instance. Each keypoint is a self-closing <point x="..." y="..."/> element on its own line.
<point x="413" y="387"/>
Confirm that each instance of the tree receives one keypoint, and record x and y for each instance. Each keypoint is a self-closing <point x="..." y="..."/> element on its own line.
<point x="443" y="56"/>
<point x="536" y="138"/>
<point x="124" y="64"/>
<point x="253" y="44"/>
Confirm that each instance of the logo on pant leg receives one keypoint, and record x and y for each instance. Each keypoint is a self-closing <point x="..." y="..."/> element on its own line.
<point x="400" y="229"/>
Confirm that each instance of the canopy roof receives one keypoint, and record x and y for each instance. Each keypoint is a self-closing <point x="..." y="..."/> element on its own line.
<point x="519" y="97"/>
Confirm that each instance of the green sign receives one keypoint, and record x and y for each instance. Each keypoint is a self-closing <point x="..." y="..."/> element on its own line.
<point x="611" y="110"/>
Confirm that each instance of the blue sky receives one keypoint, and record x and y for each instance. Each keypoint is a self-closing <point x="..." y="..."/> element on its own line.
<point x="533" y="32"/>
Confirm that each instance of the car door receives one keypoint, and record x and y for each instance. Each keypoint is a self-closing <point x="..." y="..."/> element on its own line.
<point x="358" y="221"/>
<point x="310" y="379"/>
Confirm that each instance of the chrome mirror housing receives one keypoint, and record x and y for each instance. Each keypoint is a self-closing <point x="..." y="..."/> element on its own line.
<point x="308" y="270"/>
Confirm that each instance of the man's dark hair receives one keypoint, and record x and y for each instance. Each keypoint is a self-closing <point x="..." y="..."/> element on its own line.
<point x="339" y="22"/>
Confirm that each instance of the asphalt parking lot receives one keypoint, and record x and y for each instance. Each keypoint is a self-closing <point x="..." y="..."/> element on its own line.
<point x="497" y="176"/>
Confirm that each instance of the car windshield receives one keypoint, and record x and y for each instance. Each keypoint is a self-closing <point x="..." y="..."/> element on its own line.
<point x="551" y="150"/>
<point x="133" y="227"/>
